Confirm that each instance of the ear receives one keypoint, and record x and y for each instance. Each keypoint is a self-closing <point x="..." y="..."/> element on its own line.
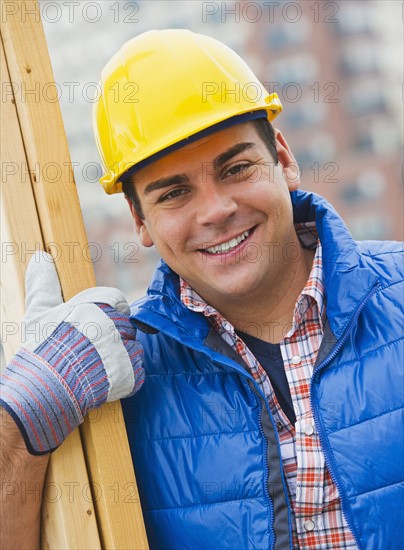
<point x="141" y="229"/>
<point x="291" y="169"/>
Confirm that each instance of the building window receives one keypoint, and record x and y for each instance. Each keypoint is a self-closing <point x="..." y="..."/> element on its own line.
<point x="366" y="96"/>
<point x="359" y="58"/>
<point x="320" y="148"/>
<point x="284" y="35"/>
<point x="354" y="18"/>
<point x="298" y="115"/>
<point x="368" y="186"/>
<point x="370" y="226"/>
<point x="377" y="135"/>
<point x="302" y="68"/>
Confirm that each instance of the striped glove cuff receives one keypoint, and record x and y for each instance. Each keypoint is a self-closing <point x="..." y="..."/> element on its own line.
<point x="50" y="390"/>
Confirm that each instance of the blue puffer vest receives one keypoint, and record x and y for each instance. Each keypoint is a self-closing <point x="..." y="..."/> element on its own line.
<point x="204" y="444"/>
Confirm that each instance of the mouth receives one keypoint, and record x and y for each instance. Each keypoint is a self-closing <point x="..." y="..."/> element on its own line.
<point x="230" y="245"/>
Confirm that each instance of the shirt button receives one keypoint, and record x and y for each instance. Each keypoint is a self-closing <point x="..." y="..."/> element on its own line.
<point x="279" y="426"/>
<point x="309" y="429"/>
<point x="296" y="359"/>
<point x="308" y="525"/>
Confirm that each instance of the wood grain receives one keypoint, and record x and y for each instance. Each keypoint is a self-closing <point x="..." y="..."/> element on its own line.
<point x="53" y="213"/>
<point x="67" y="522"/>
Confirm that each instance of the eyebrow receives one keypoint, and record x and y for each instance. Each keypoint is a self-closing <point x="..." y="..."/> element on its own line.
<point x="165" y="182"/>
<point x="218" y="162"/>
<point x="230" y="153"/>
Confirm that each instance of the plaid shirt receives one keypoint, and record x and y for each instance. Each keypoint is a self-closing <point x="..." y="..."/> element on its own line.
<point x="318" y="522"/>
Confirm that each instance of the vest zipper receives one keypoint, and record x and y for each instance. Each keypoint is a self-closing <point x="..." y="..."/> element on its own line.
<point x="315" y="378"/>
<point x="256" y="390"/>
<point x="266" y="471"/>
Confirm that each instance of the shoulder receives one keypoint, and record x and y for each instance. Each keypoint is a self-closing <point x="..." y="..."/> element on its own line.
<point x="385" y="258"/>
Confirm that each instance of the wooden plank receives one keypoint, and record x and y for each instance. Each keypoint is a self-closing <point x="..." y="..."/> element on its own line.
<point x="68" y="523"/>
<point x="119" y="530"/>
<point x="17" y="203"/>
<point x="105" y="443"/>
<point x="68" y="513"/>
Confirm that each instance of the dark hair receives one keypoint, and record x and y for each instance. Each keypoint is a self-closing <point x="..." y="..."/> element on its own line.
<point x="265" y="131"/>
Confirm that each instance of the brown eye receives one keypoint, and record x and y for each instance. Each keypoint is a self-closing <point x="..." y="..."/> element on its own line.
<point x="173" y="194"/>
<point x="237" y="170"/>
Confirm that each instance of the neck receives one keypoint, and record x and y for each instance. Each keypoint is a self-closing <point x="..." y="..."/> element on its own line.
<point x="268" y="315"/>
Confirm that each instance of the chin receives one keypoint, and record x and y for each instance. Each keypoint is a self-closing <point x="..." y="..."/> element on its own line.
<point x="237" y="290"/>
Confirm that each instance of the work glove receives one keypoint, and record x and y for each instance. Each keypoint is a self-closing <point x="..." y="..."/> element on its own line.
<point x="75" y="356"/>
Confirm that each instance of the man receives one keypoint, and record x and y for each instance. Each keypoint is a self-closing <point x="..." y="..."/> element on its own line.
<point x="270" y="412"/>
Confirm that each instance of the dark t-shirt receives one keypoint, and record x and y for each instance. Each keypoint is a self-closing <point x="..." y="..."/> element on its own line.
<point x="270" y="358"/>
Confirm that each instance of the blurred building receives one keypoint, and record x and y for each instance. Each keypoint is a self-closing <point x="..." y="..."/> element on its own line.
<point x="337" y="67"/>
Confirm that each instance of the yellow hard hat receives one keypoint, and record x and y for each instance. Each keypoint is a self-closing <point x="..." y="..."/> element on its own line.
<point x="163" y="87"/>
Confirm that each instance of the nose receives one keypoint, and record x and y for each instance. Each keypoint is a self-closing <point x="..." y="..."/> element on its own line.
<point x="216" y="204"/>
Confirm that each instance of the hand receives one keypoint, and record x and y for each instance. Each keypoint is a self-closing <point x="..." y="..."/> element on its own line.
<point x="76" y="355"/>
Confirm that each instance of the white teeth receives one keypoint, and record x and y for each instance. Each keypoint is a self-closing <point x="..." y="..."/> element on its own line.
<point x="224" y="247"/>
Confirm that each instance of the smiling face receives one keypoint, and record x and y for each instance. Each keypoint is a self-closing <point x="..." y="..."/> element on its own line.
<point x="219" y="213"/>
